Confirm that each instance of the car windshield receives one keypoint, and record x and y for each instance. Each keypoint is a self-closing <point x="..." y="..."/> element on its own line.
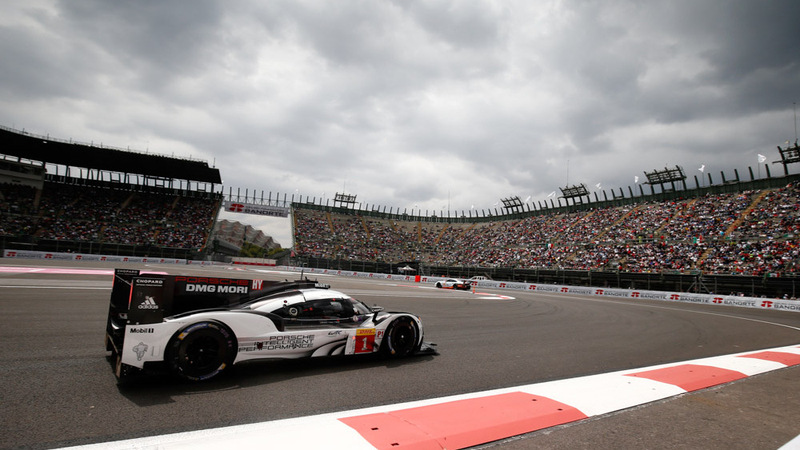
<point x="360" y="307"/>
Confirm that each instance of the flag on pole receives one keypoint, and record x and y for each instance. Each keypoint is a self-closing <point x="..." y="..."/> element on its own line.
<point x="635" y="178"/>
<point x="552" y="194"/>
<point x="761" y="158"/>
<point x="702" y="168"/>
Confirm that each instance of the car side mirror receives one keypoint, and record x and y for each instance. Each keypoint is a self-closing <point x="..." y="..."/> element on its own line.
<point x="376" y="308"/>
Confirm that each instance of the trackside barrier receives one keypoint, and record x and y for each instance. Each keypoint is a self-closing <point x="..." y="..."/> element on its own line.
<point x="60" y="256"/>
<point x="57" y="256"/>
<point x="253" y="261"/>
<point x="682" y="297"/>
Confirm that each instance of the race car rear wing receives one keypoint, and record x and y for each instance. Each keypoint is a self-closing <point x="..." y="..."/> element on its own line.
<point x="138" y="299"/>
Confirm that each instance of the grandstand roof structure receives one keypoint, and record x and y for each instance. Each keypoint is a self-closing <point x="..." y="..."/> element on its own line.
<point x="76" y="154"/>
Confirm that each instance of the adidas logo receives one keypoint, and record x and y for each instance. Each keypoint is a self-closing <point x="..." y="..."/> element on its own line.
<point x="148" y="303"/>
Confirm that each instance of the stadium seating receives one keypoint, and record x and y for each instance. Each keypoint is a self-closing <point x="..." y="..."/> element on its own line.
<point x="749" y="233"/>
<point x="99" y="214"/>
<point x="753" y="233"/>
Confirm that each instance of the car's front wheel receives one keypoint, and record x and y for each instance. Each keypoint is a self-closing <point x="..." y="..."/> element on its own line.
<point x="401" y="337"/>
<point x="201" y="351"/>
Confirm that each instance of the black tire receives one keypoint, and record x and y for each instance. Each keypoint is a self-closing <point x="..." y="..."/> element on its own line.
<point x="201" y="351"/>
<point x="438" y="284"/>
<point x="401" y="338"/>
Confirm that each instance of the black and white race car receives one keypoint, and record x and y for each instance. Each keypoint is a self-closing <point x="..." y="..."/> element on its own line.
<point x="454" y="283"/>
<point x="197" y="327"/>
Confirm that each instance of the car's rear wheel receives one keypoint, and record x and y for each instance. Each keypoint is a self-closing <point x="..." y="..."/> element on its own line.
<point x="401" y="337"/>
<point x="201" y="351"/>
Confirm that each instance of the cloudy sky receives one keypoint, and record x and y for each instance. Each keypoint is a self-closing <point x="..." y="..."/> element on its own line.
<point x="431" y="105"/>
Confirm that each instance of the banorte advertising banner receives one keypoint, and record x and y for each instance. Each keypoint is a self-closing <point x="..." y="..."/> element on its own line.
<point x="683" y="297"/>
<point x="251" y="208"/>
<point x="52" y="256"/>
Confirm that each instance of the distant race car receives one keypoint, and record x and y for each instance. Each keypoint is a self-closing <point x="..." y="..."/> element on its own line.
<point x="197" y="327"/>
<point x="453" y="283"/>
<point x="477" y="278"/>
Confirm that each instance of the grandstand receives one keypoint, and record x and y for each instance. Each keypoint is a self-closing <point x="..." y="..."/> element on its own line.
<point x="682" y="236"/>
<point x="61" y="196"/>
<point x="733" y="236"/>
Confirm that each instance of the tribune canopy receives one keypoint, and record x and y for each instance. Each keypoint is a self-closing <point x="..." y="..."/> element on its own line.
<point x="51" y="151"/>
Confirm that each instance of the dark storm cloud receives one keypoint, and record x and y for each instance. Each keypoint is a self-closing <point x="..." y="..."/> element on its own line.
<point x="751" y="49"/>
<point x="32" y="58"/>
<point x="463" y="26"/>
<point x="751" y="36"/>
<point x="156" y="40"/>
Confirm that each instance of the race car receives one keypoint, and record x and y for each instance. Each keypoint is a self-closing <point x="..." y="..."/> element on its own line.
<point x="197" y="327"/>
<point x="453" y="283"/>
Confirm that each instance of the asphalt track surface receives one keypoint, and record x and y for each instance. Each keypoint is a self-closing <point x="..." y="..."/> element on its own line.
<point x="58" y="388"/>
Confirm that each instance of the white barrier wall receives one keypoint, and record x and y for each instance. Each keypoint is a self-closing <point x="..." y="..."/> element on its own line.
<point x="254" y="261"/>
<point x="684" y="297"/>
<point x="56" y="256"/>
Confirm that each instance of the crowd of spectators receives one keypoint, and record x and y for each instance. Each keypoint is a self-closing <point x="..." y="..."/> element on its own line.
<point x="16" y="210"/>
<point x="97" y="214"/>
<point x="754" y="232"/>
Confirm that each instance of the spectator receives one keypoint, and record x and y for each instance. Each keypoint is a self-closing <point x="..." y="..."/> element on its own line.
<point x="751" y="232"/>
